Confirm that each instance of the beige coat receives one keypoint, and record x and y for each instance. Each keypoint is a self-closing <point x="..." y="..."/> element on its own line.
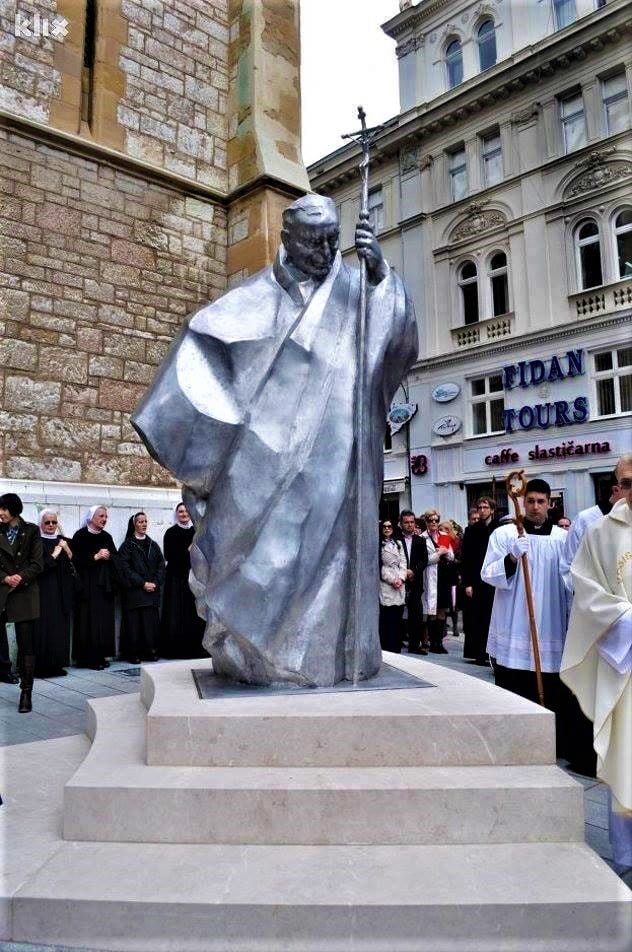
<point x="392" y="567"/>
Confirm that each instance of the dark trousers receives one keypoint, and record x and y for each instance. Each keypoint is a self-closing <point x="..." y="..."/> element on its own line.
<point x="391" y="627"/>
<point x="415" y="621"/>
<point x="24" y="638"/>
<point x="573" y="731"/>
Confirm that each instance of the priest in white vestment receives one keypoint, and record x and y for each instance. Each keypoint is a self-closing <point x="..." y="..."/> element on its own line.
<point x="509" y="641"/>
<point x="580" y="525"/>
<point x="597" y="661"/>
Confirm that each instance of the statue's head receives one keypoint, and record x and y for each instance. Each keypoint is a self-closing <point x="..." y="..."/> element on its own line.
<point x="310" y="235"/>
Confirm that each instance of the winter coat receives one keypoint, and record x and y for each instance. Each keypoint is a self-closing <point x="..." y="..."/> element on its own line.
<point x="138" y="568"/>
<point x="431" y="580"/>
<point x="392" y="566"/>
<point x="26" y="558"/>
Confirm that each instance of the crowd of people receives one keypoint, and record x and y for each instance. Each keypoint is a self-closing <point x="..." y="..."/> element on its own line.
<point x="581" y="579"/>
<point x="60" y="593"/>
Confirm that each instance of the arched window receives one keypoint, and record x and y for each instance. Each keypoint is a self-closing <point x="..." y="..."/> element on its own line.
<point x="487" y="44"/>
<point x="468" y="282"/>
<point x="454" y="63"/>
<point x="588" y="253"/>
<point x="499" y="283"/>
<point x="623" y="240"/>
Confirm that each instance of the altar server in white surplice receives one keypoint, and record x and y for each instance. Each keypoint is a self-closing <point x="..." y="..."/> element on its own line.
<point x="597" y="662"/>
<point x="509" y="641"/>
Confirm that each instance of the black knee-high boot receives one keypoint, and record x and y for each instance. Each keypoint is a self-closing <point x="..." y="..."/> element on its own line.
<point x="26" y="684"/>
<point x="437" y="632"/>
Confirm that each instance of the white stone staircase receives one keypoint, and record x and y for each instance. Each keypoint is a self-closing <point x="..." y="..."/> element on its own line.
<point x="415" y="819"/>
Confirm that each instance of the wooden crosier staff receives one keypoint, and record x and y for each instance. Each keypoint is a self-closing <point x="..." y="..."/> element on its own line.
<point x="515" y="492"/>
<point x="364" y="137"/>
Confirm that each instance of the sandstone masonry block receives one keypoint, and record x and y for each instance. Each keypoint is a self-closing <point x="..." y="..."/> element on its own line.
<point x="64" y="364"/>
<point x="69" y="434"/>
<point x="56" y="468"/>
<point x="106" y="366"/>
<point x="17" y="354"/>
<point x="39" y="396"/>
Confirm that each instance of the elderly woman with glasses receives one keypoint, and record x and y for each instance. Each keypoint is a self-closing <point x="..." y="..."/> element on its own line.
<point x="51" y="631"/>
<point x="393" y="571"/>
<point x="437" y="597"/>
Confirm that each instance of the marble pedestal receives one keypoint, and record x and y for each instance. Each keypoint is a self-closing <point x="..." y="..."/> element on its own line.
<point x="429" y="819"/>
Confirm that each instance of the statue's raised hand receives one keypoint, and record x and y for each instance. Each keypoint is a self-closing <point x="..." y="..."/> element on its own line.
<point x="368" y="249"/>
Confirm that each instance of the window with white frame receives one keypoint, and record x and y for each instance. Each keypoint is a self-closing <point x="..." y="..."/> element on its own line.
<point x="623" y="243"/>
<point x="376" y="210"/>
<point x="573" y="122"/>
<point x="486" y="39"/>
<point x="613" y="381"/>
<point x="454" y="63"/>
<point x="457" y="166"/>
<point x="565" y="12"/>
<point x="492" y="156"/>
<point x="488" y="404"/>
<point x="588" y="255"/>
<point x="468" y="282"/>
<point x="614" y="95"/>
<point x="499" y="283"/>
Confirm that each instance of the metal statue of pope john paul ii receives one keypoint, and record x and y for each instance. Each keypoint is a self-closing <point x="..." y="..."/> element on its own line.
<point x="259" y="410"/>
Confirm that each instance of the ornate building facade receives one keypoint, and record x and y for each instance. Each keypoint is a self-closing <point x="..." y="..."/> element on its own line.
<point x="147" y="149"/>
<point x="502" y="194"/>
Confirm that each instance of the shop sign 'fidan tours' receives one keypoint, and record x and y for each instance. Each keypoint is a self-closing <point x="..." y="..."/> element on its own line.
<point x="534" y="373"/>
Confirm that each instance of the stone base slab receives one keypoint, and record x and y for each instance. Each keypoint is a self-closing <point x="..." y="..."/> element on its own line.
<point x="115" y="796"/>
<point x="157" y="898"/>
<point x="461" y="721"/>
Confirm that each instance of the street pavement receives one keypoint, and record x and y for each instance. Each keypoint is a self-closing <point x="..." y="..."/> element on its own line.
<point x="58" y="711"/>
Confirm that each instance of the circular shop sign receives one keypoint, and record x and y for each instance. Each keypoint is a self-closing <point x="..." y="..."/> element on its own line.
<point x="445" y="392"/>
<point x="446" y="425"/>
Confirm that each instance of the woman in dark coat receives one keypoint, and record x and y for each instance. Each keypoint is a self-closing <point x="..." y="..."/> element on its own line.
<point x="21" y="563"/>
<point x="182" y="628"/>
<point x="95" y="559"/>
<point x="143" y="569"/>
<point x="477" y="593"/>
<point x="51" y="631"/>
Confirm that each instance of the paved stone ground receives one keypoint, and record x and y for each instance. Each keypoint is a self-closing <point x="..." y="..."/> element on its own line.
<point x="58" y="710"/>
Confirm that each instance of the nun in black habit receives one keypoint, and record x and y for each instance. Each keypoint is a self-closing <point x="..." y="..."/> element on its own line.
<point x="51" y="631"/>
<point x="143" y="570"/>
<point x="182" y="629"/>
<point x="96" y="561"/>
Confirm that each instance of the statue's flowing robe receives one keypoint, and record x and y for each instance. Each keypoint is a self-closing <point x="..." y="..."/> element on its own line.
<point x="601" y="618"/>
<point x="254" y="410"/>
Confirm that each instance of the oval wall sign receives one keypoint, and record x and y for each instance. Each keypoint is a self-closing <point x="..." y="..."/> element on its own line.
<point x="400" y="414"/>
<point x="446" y="425"/>
<point x="444" y="392"/>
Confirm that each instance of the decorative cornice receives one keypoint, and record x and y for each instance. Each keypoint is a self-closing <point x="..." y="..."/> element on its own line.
<point x="559" y="333"/>
<point x="411" y="17"/>
<point x="411" y="45"/>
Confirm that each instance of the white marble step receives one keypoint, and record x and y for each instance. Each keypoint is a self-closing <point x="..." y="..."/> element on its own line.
<point x="459" y="721"/>
<point x="115" y="796"/>
<point x="484" y="898"/>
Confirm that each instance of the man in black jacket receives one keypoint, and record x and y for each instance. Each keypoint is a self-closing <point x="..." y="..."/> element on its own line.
<point x="416" y="561"/>
<point x="479" y="596"/>
<point x="21" y="561"/>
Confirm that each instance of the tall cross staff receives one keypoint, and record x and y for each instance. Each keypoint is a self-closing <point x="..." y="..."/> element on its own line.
<point x="365" y="137"/>
<point x="516" y="487"/>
